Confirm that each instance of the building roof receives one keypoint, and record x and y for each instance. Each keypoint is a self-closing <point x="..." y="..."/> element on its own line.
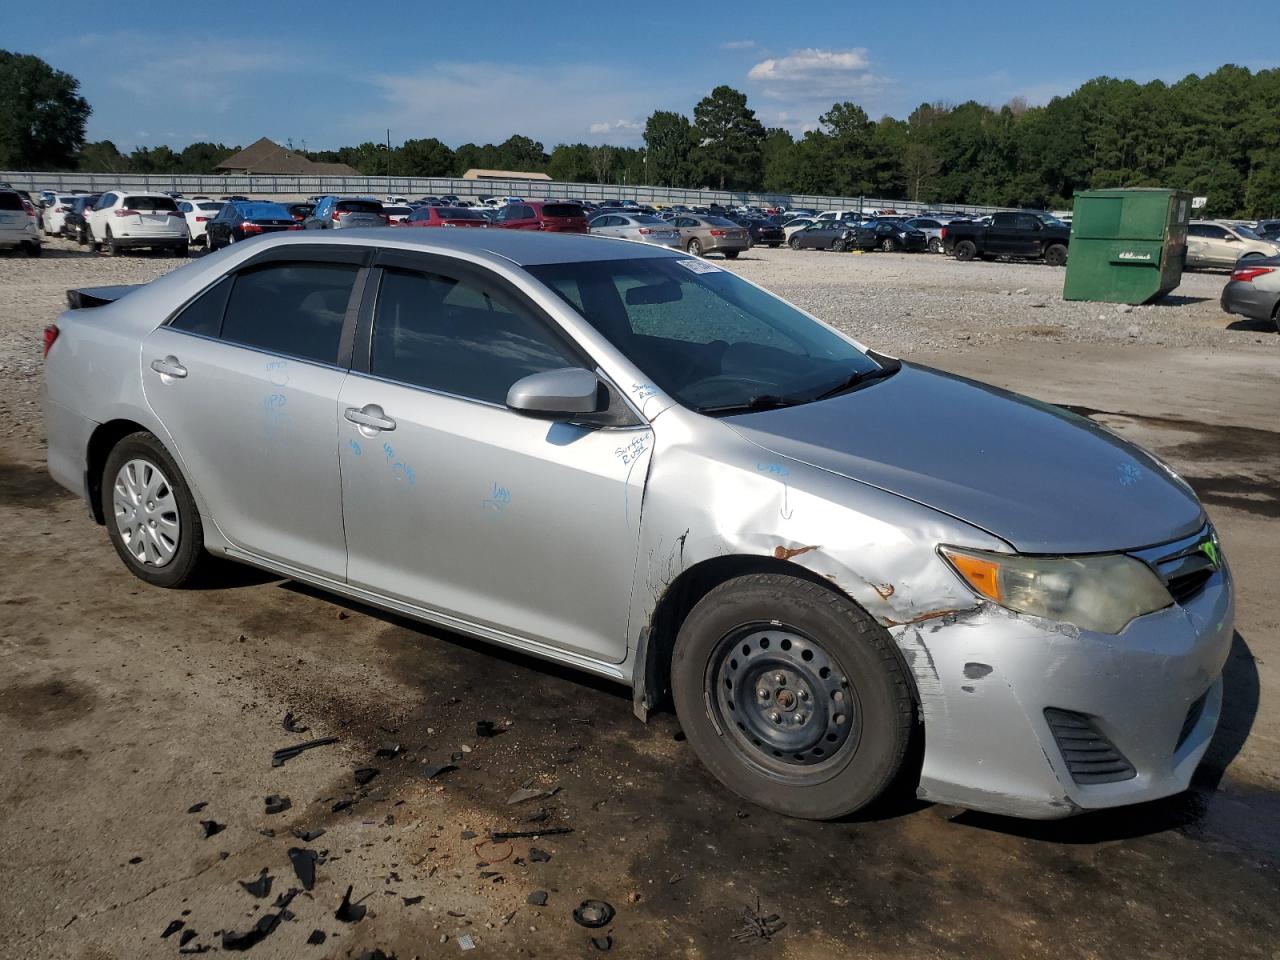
<point x="267" y="156"/>
<point x="476" y="174"/>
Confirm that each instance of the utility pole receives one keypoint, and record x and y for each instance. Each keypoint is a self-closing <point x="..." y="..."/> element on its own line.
<point x="388" y="153"/>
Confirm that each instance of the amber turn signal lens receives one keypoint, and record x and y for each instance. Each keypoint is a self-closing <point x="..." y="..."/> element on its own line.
<point x="983" y="575"/>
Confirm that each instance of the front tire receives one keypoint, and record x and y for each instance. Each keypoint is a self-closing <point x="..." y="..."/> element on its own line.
<point x="109" y="245"/>
<point x="150" y="514"/>
<point x="792" y="696"/>
<point x="794" y="243"/>
<point x="888" y="245"/>
<point x="935" y="245"/>
<point x="694" y="248"/>
<point x="1056" y="255"/>
<point x="966" y="250"/>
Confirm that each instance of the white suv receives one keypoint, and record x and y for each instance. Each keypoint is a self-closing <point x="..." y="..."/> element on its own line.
<point x="55" y="214"/>
<point x="18" y="225"/>
<point x="126" y="219"/>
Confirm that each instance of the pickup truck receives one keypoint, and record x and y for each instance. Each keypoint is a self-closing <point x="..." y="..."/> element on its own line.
<point x="1029" y="236"/>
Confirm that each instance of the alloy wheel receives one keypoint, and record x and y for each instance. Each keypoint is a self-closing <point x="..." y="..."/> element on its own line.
<point x="146" y="513"/>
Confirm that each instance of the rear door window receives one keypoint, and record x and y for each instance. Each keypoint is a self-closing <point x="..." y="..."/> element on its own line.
<point x="457" y="337"/>
<point x="291" y="308"/>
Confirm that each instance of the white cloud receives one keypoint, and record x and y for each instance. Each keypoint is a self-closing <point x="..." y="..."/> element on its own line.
<point x="810" y="65"/>
<point x="804" y="84"/>
<point x="737" y="45"/>
<point x="487" y="102"/>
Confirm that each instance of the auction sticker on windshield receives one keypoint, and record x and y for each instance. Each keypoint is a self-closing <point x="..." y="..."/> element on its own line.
<point x="699" y="266"/>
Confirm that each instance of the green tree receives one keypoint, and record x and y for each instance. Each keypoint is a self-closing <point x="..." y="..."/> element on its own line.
<point x="668" y="138"/>
<point x="730" y="141"/>
<point x="103" y="156"/>
<point x="603" y="160"/>
<point x="42" y="115"/>
<point x="521" y="154"/>
<point x="424" y="158"/>
<point x="571" y="162"/>
<point x="778" y="156"/>
<point x="202" y="157"/>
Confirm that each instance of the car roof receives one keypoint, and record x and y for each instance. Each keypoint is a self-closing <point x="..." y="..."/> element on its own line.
<point x="523" y="248"/>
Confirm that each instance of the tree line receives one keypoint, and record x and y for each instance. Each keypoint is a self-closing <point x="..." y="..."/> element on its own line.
<point x="1217" y="136"/>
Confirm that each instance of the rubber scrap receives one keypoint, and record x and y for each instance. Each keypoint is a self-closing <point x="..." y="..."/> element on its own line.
<point x="277" y="804"/>
<point x="349" y="912"/>
<point x="343" y="804"/>
<point x="187" y="936"/>
<point x="537" y="899"/>
<point x="602" y="943"/>
<point x="593" y="914"/>
<point x="387" y="750"/>
<point x="173" y="927"/>
<point x="433" y="770"/>
<point x="292" y="725"/>
<point x="411" y="901"/>
<point x="365" y="774"/>
<point x="306" y="836"/>
<point x="259" y="887"/>
<point x="212" y="827"/>
<point x="266" y="925"/>
<point x="304" y="866"/>
<point x="288" y="753"/>
<point x="538" y="856"/>
<point x="317" y="937"/>
<point x="197" y="807"/>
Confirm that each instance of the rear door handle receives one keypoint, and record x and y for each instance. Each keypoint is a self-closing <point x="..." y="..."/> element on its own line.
<point x="370" y="417"/>
<point x="169" y="367"/>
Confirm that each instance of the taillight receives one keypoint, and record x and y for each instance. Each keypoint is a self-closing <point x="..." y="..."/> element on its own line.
<point x="645" y="231"/>
<point x="124" y="212"/>
<point x="248" y="227"/>
<point x="336" y="214"/>
<point x="942" y="234"/>
<point x="203" y="219"/>
<point x="294" y="226"/>
<point x="50" y="335"/>
<point x="1247" y="274"/>
<point x="719" y="233"/>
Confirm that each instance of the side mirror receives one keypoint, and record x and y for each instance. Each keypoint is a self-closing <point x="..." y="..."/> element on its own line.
<point x="556" y="394"/>
<point x="1231" y="238"/>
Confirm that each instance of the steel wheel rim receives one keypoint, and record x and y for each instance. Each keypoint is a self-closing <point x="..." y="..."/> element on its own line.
<point x="762" y="679"/>
<point x="146" y="513"/>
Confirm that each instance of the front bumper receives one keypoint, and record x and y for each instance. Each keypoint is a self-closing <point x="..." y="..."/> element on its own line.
<point x="987" y="677"/>
<point x="1249" y="300"/>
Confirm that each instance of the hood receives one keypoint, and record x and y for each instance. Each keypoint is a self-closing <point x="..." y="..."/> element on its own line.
<point x="1041" y="478"/>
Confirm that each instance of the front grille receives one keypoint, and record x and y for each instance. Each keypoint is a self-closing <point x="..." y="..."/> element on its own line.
<point x="1090" y="756"/>
<point x="1184" y="586"/>
<point x="1193" y="717"/>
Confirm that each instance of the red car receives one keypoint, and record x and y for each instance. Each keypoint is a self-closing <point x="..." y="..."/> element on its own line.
<point x="444" y="217"/>
<point x="555" y="216"/>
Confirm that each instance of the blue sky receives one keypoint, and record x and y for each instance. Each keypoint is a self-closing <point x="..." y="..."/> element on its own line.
<point x="332" y="73"/>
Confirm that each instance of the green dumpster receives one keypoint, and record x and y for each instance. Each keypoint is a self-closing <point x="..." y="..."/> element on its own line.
<point x="1127" y="246"/>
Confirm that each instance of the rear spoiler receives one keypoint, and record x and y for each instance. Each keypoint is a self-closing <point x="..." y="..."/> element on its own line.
<point x="87" y="297"/>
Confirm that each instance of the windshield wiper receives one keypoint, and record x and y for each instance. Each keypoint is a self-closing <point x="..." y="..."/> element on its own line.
<point x="759" y="401"/>
<point x="859" y="377"/>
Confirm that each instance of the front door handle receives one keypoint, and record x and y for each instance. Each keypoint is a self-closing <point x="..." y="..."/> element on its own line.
<point x="370" y="418"/>
<point x="169" y="367"/>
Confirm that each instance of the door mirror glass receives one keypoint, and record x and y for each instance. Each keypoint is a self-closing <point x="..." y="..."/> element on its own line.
<point x="556" y="394"/>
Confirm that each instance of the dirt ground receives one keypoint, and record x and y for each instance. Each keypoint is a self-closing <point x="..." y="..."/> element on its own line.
<point x="122" y="707"/>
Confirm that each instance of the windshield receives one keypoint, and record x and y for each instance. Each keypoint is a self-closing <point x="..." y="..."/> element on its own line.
<point x="708" y="338"/>
<point x="213" y="206"/>
<point x="1248" y="233"/>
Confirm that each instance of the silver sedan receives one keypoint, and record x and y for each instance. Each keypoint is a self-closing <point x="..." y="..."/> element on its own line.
<point x="635" y="226"/>
<point x="630" y="461"/>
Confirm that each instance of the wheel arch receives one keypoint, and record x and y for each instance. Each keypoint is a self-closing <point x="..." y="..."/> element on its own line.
<point x="651" y="671"/>
<point x="104" y="439"/>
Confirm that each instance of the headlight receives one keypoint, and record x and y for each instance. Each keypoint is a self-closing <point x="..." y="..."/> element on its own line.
<point x="1101" y="593"/>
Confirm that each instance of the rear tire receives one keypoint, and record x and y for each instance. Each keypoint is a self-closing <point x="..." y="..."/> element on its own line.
<point x="966" y="250"/>
<point x="888" y="245"/>
<point x="694" y="247"/>
<point x="1056" y="255"/>
<point x="766" y="646"/>
<point x="935" y="245"/>
<point x="109" y="245"/>
<point x="794" y="243"/>
<point x="731" y="254"/>
<point x="34" y="249"/>
<point x="150" y="514"/>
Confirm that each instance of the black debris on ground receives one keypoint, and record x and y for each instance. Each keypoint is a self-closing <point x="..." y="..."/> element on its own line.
<point x="349" y="912"/>
<point x="212" y="827"/>
<point x="304" y="866"/>
<point x="538" y="856"/>
<point x="537" y="899"/>
<point x="292" y="725"/>
<point x="135" y="860"/>
<point x="260" y="887"/>
<point x="197" y="807"/>
<point x="317" y="937"/>
<point x="288" y="753"/>
<point x="411" y="901"/>
<point x="593" y="914"/>
<point x="376" y="954"/>
<point x="364" y="774"/>
<point x="388" y="750"/>
<point x="277" y="804"/>
<point x="306" y="836"/>
<point x="524" y="834"/>
<point x="343" y="804"/>
<point x="757" y="926"/>
<point x="266" y="925"/>
<point x="286" y="898"/>
<point x="469" y="834"/>
<point x="602" y="943"/>
<point x="433" y="770"/>
<point x="487" y="728"/>
<point x="187" y="937"/>
<point x="173" y="927"/>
